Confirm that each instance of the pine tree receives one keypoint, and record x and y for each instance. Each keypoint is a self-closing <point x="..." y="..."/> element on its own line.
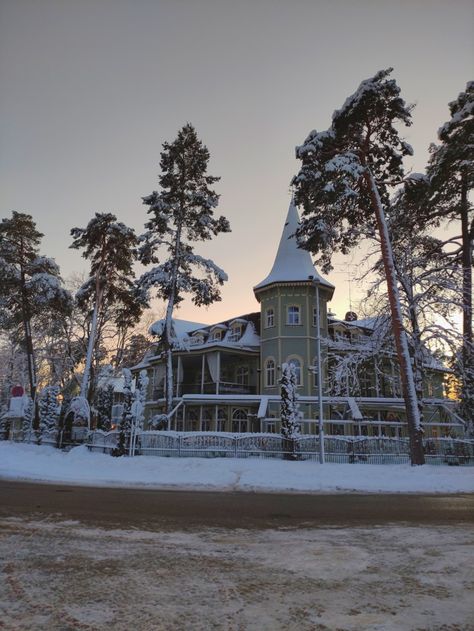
<point x="49" y="410"/>
<point x="104" y="399"/>
<point x="180" y="214"/>
<point x="289" y="410"/>
<point x="110" y="293"/>
<point x="31" y="285"/>
<point x="126" y="420"/>
<point x="451" y="172"/>
<point x="138" y="408"/>
<point x="344" y="183"/>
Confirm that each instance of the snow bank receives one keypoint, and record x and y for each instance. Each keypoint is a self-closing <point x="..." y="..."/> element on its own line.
<point x="79" y="466"/>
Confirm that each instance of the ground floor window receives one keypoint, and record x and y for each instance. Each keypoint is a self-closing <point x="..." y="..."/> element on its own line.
<point x="221" y="419"/>
<point x="206" y="422"/>
<point x="240" y="420"/>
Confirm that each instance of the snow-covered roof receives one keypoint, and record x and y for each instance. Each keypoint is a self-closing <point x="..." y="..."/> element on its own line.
<point x="291" y="262"/>
<point x="364" y="323"/>
<point x="180" y="327"/>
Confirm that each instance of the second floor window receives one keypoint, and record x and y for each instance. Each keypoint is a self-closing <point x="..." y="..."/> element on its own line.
<point x="270" y="373"/>
<point x="293" y="315"/>
<point x="269" y="318"/>
<point x="242" y="375"/>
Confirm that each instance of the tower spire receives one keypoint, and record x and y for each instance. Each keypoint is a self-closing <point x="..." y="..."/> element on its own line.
<point x="292" y="263"/>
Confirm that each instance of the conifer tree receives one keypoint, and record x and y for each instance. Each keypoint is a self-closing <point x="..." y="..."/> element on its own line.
<point x="126" y="420"/>
<point x="31" y="286"/>
<point x="289" y="409"/>
<point x="181" y="213"/>
<point x="104" y="398"/>
<point x="49" y="410"/>
<point x="109" y="294"/>
<point x="344" y="184"/>
<point x="451" y="172"/>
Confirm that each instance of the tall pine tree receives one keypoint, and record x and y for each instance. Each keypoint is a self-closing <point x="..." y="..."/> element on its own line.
<point x="110" y="293"/>
<point x="181" y="213"/>
<point x="344" y="183"/>
<point x="31" y="286"/>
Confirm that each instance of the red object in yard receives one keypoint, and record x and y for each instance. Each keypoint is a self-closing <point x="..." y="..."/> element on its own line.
<point x="18" y="391"/>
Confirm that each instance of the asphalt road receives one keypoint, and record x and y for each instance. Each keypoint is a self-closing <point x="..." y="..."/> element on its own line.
<point x="152" y="509"/>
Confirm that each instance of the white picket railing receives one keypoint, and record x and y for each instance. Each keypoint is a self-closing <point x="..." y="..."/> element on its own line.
<point x="342" y="449"/>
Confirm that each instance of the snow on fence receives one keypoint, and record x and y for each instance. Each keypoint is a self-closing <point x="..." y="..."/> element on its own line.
<point x="340" y="449"/>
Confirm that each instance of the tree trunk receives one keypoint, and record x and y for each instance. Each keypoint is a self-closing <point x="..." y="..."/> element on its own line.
<point x="467" y="390"/>
<point x="167" y="338"/>
<point x="415" y="431"/>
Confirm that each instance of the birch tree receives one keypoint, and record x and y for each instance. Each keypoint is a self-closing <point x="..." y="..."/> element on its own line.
<point x="344" y="186"/>
<point x="181" y="213"/>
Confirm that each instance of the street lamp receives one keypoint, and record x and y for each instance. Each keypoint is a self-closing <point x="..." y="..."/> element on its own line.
<point x="316" y="283"/>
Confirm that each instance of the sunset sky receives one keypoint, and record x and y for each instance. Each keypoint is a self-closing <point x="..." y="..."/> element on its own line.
<point x="90" y="89"/>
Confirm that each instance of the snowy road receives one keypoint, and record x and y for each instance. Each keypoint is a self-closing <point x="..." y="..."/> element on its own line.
<point x="145" y="508"/>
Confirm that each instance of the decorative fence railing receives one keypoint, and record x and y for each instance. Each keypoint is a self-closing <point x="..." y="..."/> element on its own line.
<point x="341" y="449"/>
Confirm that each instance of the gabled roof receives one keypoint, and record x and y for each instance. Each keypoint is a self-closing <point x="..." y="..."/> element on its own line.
<point x="292" y="264"/>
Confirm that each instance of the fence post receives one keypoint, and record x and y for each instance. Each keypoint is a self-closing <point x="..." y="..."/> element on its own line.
<point x="235" y="446"/>
<point x="179" y="445"/>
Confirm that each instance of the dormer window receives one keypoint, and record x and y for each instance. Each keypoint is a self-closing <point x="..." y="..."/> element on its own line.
<point x="269" y="318"/>
<point x="293" y="315"/>
<point x="217" y="333"/>
<point x="198" y="337"/>
<point x="235" y="333"/>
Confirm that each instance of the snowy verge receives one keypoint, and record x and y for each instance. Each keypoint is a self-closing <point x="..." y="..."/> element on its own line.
<point x="81" y="467"/>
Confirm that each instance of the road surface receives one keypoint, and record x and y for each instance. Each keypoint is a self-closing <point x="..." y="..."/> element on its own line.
<point x="138" y="507"/>
<point x="123" y="559"/>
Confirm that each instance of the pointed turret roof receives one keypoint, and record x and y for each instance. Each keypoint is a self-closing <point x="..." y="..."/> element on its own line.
<point x="292" y="264"/>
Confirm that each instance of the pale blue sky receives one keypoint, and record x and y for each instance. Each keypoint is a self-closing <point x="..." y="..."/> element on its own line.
<point x="92" y="88"/>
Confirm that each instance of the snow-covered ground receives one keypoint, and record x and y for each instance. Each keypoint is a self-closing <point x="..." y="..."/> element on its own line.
<point x="79" y="466"/>
<point x="65" y="575"/>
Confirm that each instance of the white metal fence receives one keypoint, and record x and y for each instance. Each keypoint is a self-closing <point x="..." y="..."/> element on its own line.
<point x="341" y="449"/>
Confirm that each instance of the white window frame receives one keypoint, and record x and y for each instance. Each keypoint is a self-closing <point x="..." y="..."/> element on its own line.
<point x="269" y="371"/>
<point x="270" y="318"/>
<point x="291" y="312"/>
<point x="242" y="375"/>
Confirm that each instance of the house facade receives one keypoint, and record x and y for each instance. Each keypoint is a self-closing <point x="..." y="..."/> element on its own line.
<point x="226" y="375"/>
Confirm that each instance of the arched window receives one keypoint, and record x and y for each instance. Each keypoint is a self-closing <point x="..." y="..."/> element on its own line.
<point x="270" y="373"/>
<point x="269" y="318"/>
<point x="239" y="420"/>
<point x="293" y="315"/>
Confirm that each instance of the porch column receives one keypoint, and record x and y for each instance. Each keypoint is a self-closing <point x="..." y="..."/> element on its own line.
<point x="216" y="416"/>
<point x="179" y="375"/>
<point x="203" y="368"/>
<point x="218" y="371"/>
